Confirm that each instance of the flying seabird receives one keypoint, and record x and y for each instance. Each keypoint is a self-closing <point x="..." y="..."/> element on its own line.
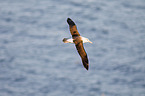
<point x="78" y="41"/>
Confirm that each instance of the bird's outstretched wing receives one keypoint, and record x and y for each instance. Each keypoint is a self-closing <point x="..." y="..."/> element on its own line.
<point x="78" y="43"/>
<point x="73" y="28"/>
<point x="83" y="54"/>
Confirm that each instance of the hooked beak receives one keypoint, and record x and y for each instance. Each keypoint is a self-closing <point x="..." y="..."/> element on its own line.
<point x="90" y="42"/>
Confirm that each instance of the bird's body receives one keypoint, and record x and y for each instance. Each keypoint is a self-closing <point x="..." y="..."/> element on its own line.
<point x="70" y="40"/>
<point x="78" y="40"/>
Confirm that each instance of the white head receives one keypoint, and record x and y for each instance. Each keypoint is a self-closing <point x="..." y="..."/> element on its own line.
<point x="85" y="40"/>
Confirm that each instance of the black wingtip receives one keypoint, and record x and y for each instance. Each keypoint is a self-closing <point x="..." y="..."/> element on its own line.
<point x="70" y="22"/>
<point x="87" y="67"/>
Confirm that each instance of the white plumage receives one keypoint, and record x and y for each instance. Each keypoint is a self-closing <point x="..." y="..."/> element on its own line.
<point x="70" y="40"/>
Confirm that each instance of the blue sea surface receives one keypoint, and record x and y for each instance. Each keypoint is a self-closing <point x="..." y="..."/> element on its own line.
<point x="35" y="62"/>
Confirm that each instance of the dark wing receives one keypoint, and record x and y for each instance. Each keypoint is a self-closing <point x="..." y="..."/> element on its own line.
<point x="83" y="54"/>
<point x="78" y="42"/>
<point x="73" y="28"/>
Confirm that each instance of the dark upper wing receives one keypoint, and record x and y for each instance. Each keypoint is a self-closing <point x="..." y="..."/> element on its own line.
<point x="82" y="53"/>
<point x="73" y="28"/>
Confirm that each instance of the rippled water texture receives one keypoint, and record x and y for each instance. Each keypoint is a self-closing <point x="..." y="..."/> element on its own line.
<point x="35" y="62"/>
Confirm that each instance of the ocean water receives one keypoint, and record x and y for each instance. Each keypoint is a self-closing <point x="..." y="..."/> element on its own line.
<point x="35" y="62"/>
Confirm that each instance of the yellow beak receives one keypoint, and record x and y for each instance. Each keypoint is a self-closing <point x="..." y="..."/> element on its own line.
<point x="90" y="42"/>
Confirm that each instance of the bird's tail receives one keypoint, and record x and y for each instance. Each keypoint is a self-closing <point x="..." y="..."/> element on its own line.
<point x="67" y="40"/>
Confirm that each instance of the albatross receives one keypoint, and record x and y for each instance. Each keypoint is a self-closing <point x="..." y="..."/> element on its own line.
<point x="78" y="41"/>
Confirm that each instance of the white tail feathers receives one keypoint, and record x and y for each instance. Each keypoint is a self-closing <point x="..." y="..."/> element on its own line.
<point x="68" y="40"/>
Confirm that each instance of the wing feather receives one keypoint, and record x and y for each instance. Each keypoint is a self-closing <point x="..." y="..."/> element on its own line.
<point x="78" y="43"/>
<point x="73" y="28"/>
<point x="83" y="54"/>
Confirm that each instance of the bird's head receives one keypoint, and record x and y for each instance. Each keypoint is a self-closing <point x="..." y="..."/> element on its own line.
<point x="89" y="41"/>
<point x="85" y="40"/>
